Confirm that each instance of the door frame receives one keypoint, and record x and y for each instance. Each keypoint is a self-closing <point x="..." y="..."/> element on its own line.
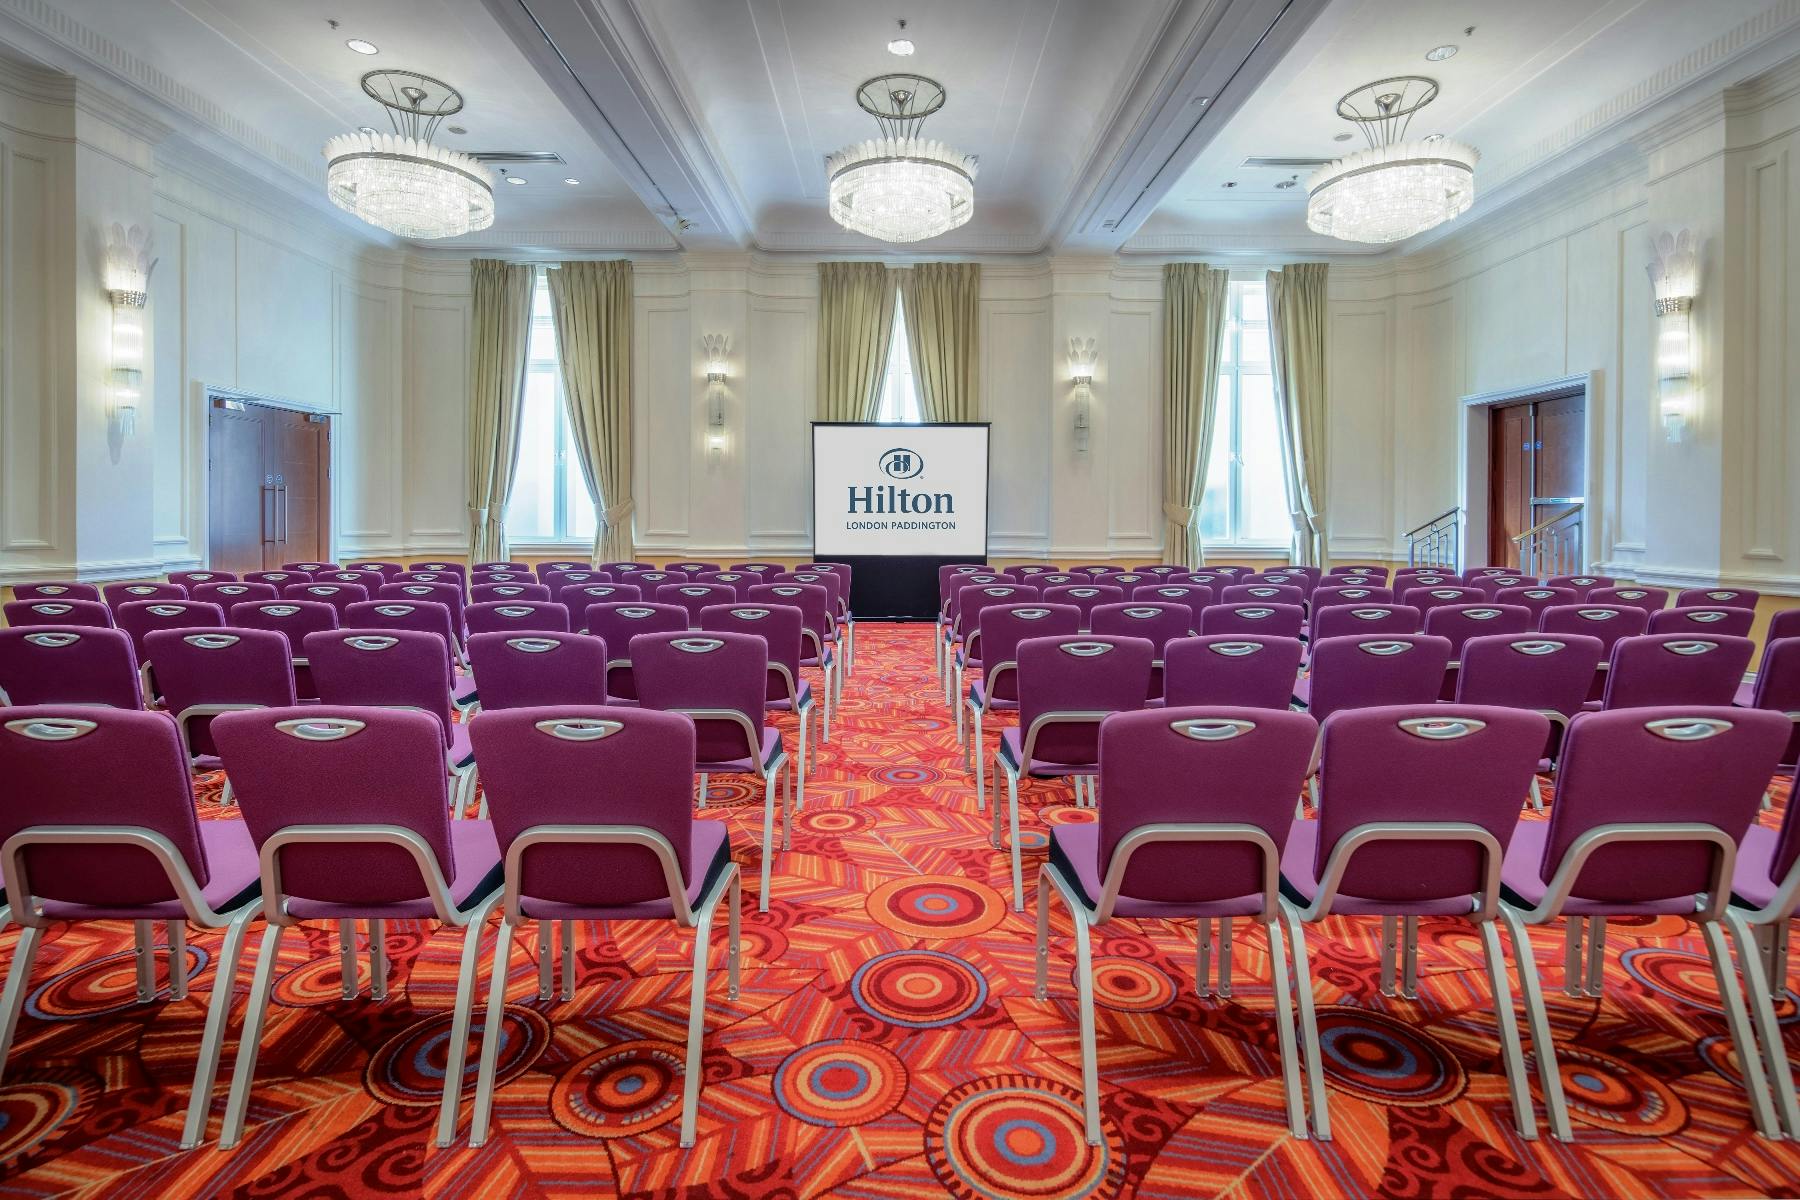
<point x="206" y="394"/>
<point x="1472" y="458"/>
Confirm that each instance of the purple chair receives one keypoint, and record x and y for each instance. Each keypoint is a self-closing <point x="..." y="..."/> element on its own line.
<point x="1197" y="810"/>
<point x="649" y="581"/>
<point x="695" y="596"/>
<point x="762" y="570"/>
<point x="740" y="582"/>
<point x="1331" y="594"/>
<point x="1260" y="592"/>
<point x="68" y="665"/>
<point x="1392" y="840"/>
<point x="1717" y="598"/>
<point x="1195" y="595"/>
<point x="1651" y="600"/>
<point x="377" y="844"/>
<point x="387" y="570"/>
<point x="1777" y="688"/>
<point x="1457" y="623"/>
<point x="1233" y="671"/>
<point x="1582" y="584"/>
<point x="227" y="594"/>
<point x="453" y="568"/>
<point x="1659" y="670"/>
<point x="189" y="579"/>
<point x="1002" y="628"/>
<point x="279" y="579"/>
<point x="1492" y="585"/>
<point x="1546" y="674"/>
<point x="1291" y="578"/>
<point x="568" y="564"/>
<point x="1084" y="596"/>
<point x="1735" y="622"/>
<point x="1128" y="580"/>
<point x="1476" y="574"/>
<point x="1608" y="622"/>
<point x="294" y="619"/>
<point x="98" y="824"/>
<point x="139" y="617"/>
<point x="783" y="631"/>
<point x="510" y="593"/>
<point x="577" y="596"/>
<point x="953" y="577"/>
<point x="522" y="568"/>
<point x="838" y="584"/>
<point x="1367" y="574"/>
<point x="719" y="680"/>
<point x="1374" y="672"/>
<point x="1160" y="623"/>
<point x="1160" y="570"/>
<point x="970" y="603"/>
<point x="205" y="672"/>
<point x="813" y="601"/>
<point x="480" y="578"/>
<point x="447" y="594"/>
<point x="558" y="580"/>
<point x="1216" y="580"/>
<point x="56" y="591"/>
<point x="339" y="596"/>
<point x="1411" y="577"/>
<point x="86" y="614"/>
<point x="1028" y="572"/>
<point x="426" y="616"/>
<point x="515" y="617"/>
<point x="1051" y="579"/>
<point x="1092" y="570"/>
<point x="1067" y="687"/>
<point x="122" y="593"/>
<point x="1784" y="624"/>
<point x="310" y="568"/>
<point x="691" y="568"/>
<point x="1537" y="599"/>
<point x="1427" y="598"/>
<point x="527" y="670"/>
<point x="1765" y="893"/>
<point x="368" y="581"/>
<point x="1257" y="620"/>
<point x="1364" y="620"/>
<point x="438" y="578"/>
<point x="1651" y="804"/>
<point x="615" y="624"/>
<point x="594" y="819"/>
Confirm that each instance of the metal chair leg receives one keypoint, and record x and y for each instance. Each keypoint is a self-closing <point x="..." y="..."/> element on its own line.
<point x="1084" y="988"/>
<point x="1388" y="946"/>
<point x="1309" y="1022"/>
<point x="734" y="941"/>
<point x="490" y="1037"/>
<point x="1292" y="1092"/>
<point x="178" y="976"/>
<point x="1041" y="983"/>
<point x="1737" y="1021"/>
<point x="1596" y="957"/>
<point x="218" y="1009"/>
<point x="1012" y="816"/>
<point x="1409" y="948"/>
<point x="1556" y="1106"/>
<point x="12" y="1000"/>
<point x="1574" y="957"/>
<point x="690" y="1091"/>
<point x="1224" y="958"/>
<point x="1512" y="1053"/>
<point x="705" y="787"/>
<point x="378" y="960"/>
<point x="1203" y="958"/>
<point x="347" y="959"/>
<point x="768" y="839"/>
<point x="145" y="932"/>
<point x="456" y="1054"/>
<point x="546" y="946"/>
<point x="568" y="960"/>
<point x="1762" y="1018"/>
<point x="975" y="768"/>
<point x="250" y="1039"/>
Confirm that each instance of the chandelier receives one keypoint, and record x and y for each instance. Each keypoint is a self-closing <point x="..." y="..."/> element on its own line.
<point x="1396" y="187"/>
<point x="899" y="187"/>
<point x="399" y="181"/>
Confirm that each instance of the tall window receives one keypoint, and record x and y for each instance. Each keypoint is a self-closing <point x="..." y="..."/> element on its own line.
<point x="899" y="392"/>
<point x="1246" y="486"/>
<point x="550" y="500"/>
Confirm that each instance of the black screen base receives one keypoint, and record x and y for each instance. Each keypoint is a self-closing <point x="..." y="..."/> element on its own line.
<point x="890" y="588"/>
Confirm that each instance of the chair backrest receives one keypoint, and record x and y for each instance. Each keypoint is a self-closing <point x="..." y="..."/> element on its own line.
<point x="292" y="618"/>
<point x="833" y="584"/>
<point x="1027" y="572"/>
<point x="1354" y="592"/>
<point x="1660" y="669"/>
<point x="1004" y="626"/>
<point x="1086" y="674"/>
<point x="479" y="578"/>
<point x="56" y="590"/>
<point x="452" y="568"/>
<point x="1084" y="596"/>
<point x="1457" y="623"/>
<point x="524" y="670"/>
<point x="328" y="765"/>
<point x="202" y="667"/>
<point x="123" y="593"/>
<point x="338" y="595"/>
<point x="511" y="593"/>
<point x="1717" y="597"/>
<point x="948" y="575"/>
<point x="68" y="765"/>
<point x="1265" y="620"/>
<point x="811" y="599"/>
<point x="650" y="580"/>
<point x="1372" y="672"/>
<point x="570" y="564"/>
<point x="1676" y="764"/>
<point x="1735" y="622"/>
<point x="1412" y="577"/>
<point x="1195" y="595"/>
<point x="1216" y="580"/>
<point x="1258" y="591"/>
<point x="723" y="673"/>
<point x="446" y="578"/>
<point x="616" y="623"/>
<point x="141" y="616"/>
<point x="1784" y="624"/>
<point x="387" y="570"/>
<point x="190" y="579"/>
<point x="1294" y="578"/>
<point x="309" y="568"/>
<point x="1414" y="763"/>
<point x="693" y="597"/>
<point x="499" y="566"/>
<point x="1200" y="766"/>
<point x="89" y="614"/>
<point x="1536" y="598"/>
<point x="556" y="581"/>
<point x="1787" y="839"/>
<point x="1608" y="622"/>
<point x="447" y="594"/>
<point x="1365" y="620"/>
<point x="426" y="616"/>
<point x="740" y="582"/>
<point x="514" y="616"/>
<point x="369" y="581"/>
<point x="279" y="579"/>
<point x="1160" y="624"/>
<point x="1472" y="574"/>
<point x="1492" y="585"/>
<point x="619" y="572"/>
<point x="1092" y="570"/>
<point x="1544" y="672"/>
<point x="588" y="765"/>
<point x="1241" y="671"/>
<point x="1582" y="584"/>
<point x="386" y="668"/>
<point x="1650" y="599"/>
<point x="761" y="570"/>
<point x="1427" y="598"/>
<point x="1367" y="573"/>
<point x="1160" y="570"/>
<point x="973" y="600"/>
<point x="577" y="596"/>
<point x="68" y="664"/>
<point x="1125" y="579"/>
<point x="691" y="567"/>
<point x="782" y="629"/>
<point x="838" y="571"/>
<point x="1778" y="676"/>
<point x="227" y="594"/>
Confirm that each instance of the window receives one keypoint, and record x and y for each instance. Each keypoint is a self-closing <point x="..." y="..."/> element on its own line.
<point x="1246" y="482"/>
<point x="899" y="394"/>
<point x="550" y="501"/>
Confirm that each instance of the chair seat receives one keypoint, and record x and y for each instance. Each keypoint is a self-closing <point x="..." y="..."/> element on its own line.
<point x="1010" y="751"/>
<point x="710" y="845"/>
<point x="1075" y="851"/>
<point x="1751" y="884"/>
<point x="462" y="691"/>
<point x="1300" y="883"/>
<point x="1746" y="695"/>
<point x="1303" y="690"/>
<point x="783" y="704"/>
<point x="233" y="882"/>
<point x="476" y="871"/>
<point x="1523" y="887"/>
<point x="461" y="753"/>
<point x="978" y="692"/>
<point x="771" y="746"/>
<point x="816" y="661"/>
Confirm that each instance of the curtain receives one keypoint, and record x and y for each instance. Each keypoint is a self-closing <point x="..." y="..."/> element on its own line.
<point x="856" y="323"/>
<point x="942" y="334"/>
<point x="1297" y="343"/>
<point x="499" y="327"/>
<point x="591" y="303"/>
<point x="1195" y="297"/>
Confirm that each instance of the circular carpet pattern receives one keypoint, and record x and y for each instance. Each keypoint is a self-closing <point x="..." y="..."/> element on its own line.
<point x="408" y="1069"/>
<point x="937" y="906"/>
<point x="918" y="989"/>
<point x="620" y="1091"/>
<point x="840" y="1083"/>
<point x="102" y="986"/>
<point x="1678" y="974"/>
<point x="1609" y="1093"/>
<point x="1130" y="985"/>
<point x="1019" y="1137"/>
<point x="1385" y="1061"/>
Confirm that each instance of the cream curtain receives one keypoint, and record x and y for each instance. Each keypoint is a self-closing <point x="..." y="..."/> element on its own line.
<point x="942" y="331"/>
<point x="856" y="323"/>
<point x="500" y="324"/>
<point x="591" y="302"/>
<point x="1297" y="342"/>
<point x="1194" y="302"/>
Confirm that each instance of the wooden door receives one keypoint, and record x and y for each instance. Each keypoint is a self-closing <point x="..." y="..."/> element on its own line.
<point x="1509" y="481"/>
<point x="269" y="486"/>
<point x="239" y="501"/>
<point x="1559" y="454"/>
<point x="297" y="448"/>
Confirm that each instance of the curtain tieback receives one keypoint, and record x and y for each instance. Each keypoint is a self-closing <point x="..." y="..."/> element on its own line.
<point x="1178" y="514"/>
<point x="478" y="514"/>
<point x="618" y="512"/>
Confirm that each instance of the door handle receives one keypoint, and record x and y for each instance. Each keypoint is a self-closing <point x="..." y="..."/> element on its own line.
<point x="265" y="501"/>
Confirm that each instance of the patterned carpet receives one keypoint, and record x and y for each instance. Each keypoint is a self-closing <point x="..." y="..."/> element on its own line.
<point x="886" y="1043"/>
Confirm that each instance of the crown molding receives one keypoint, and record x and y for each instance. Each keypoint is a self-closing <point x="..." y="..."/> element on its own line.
<point x="524" y="241"/>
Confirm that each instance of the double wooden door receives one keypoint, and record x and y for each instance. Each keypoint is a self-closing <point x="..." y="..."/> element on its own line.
<point x="269" y="486"/>
<point x="1537" y="454"/>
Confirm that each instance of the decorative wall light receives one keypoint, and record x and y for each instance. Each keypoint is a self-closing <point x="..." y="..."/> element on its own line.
<point x="713" y="346"/>
<point x="128" y="267"/>
<point x="1082" y="357"/>
<point x="1674" y="280"/>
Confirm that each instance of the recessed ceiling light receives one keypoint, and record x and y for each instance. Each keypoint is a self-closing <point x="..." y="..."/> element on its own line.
<point x="571" y="182"/>
<point x="1229" y="183"/>
<point x="362" y="47"/>
<point x="901" y="45"/>
<point x="1440" y="53"/>
<point x="454" y="129"/>
<point x="518" y="180"/>
<point x="1342" y="137"/>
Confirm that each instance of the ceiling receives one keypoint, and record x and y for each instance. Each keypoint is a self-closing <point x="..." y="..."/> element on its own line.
<point x="1100" y="125"/>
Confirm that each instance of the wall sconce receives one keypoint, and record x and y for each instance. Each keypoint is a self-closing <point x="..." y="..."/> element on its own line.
<point x="128" y="267"/>
<point x="1082" y="357"/>
<point x="1674" y="280"/>
<point x="713" y="346"/>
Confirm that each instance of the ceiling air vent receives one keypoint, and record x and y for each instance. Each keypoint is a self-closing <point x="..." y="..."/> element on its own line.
<point x="1274" y="164"/>
<point x="516" y="156"/>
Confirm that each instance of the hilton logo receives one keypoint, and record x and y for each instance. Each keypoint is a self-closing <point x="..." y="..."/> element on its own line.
<point x="900" y="463"/>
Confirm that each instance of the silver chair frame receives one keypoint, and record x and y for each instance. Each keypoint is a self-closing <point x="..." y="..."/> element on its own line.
<point x="973" y="747"/>
<point x="1761" y="935"/>
<point x="1085" y="794"/>
<point x="792" y="797"/>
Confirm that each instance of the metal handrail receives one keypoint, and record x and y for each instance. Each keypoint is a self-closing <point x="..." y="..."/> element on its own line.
<point x="1554" y="545"/>
<point x="1437" y="541"/>
<point x="1547" y="522"/>
<point x="1446" y="515"/>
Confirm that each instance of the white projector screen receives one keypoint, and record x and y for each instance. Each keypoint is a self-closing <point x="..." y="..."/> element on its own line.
<point x="900" y="491"/>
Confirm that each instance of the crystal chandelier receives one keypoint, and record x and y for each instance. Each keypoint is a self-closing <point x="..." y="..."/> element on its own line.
<point x="899" y="187"/>
<point x="400" y="182"/>
<point x="1396" y="187"/>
